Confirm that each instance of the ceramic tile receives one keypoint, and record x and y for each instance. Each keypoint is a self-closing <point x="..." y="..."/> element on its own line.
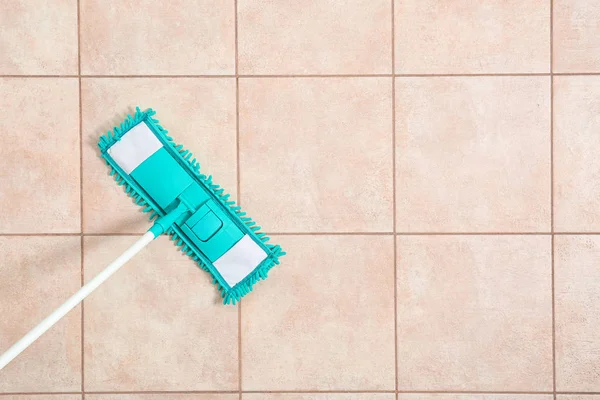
<point x="474" y="313"/>
<point x="162" y="396"/>
<point x="576" y="36"/>
<point x="511" y="36"/>
<point x="444" y="396"/>
<point x="576" y="146"/>
<point x="40" y="39"/>
<point x="127" y="37"/>
<point x="37" y="274"/>
<point x="206" y="127"/>
<point x="577" y="298"/>
<point x="577" y="397"/>
<point x="319" y="396"/>
<point x="158" y="324"/>
<point x="329" y="163"/>
<point x="314" y="37"/>
<point x="40" y="158"/>
<point x="473" y="154"/>
<point x="324" y="320"/>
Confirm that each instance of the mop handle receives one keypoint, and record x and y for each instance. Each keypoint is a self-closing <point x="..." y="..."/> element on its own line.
<point x="74" y="300"/>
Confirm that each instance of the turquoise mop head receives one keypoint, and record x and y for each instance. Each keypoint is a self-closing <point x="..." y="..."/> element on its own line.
<point x="163" y="178"/>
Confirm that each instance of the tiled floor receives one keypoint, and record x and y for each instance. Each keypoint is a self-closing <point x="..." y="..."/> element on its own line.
<point x="431" y="168"/>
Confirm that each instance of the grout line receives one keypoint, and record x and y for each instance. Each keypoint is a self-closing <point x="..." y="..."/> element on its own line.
<point x="573" y="73"/>
<point x="331" y="233"/>
<point x="470" y="233"/>
<point x="240" y="349"/>
<point x="35" y="393"/>
<point x="395" y="245"/>
<point x="237" y="138"/>
<point x="170" y="392"/>
<point x="553" y="320"/>
<point x="312" y="75"/>
<point x="576" y="233"/>
<point x="317" y="391"/>
<point x="317" y="76"/>
<point x="82" y="327"/>
<point x="237" y="102"/>
<point x="551" y="125"/>
<point x="115" y="234"/>
<point x="469" y="392"/>
<point x="40" y="76"/>
<point x="552" y="156"/>
<point x="341" y="391"/>
<point x="38" y="234"/>
<point x="399" y="233"/>
<point x="162" y="76"/>
<point x="552" y="197"/>
<point x="292" y="392"/>
<point x="80" y="193"/>
<point x="407" y="233"/>
<point x="237" y="158"/>
<point x="473" y="74"/>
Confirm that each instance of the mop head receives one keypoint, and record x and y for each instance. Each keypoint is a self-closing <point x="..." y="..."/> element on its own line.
<point x="161" y="175"/>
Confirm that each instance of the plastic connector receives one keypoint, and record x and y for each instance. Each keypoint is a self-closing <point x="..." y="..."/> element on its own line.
<point x="162" y="224"/>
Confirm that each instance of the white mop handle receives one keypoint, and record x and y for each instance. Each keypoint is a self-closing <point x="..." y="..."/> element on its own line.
<point x="74" y="300"/>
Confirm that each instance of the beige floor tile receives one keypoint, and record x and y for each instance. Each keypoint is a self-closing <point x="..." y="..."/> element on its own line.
<point x="467" y="36"/>
<point x="444" y="396"/>
<point x="40" y="39"/>
<point x="474" y="313"/>
<point x="319" y="396"/>
<point x="156" y="37"/>
<point x="315" y="37"/>
<point x="577" y="297"/>
<point x="315" y="153"/>
<point x="576" y="38"/>
<point x="37" y="274"/>
<point x="473" y="154"/>
<point x="158" y="324"/>
<point x="577" y="397"/>
<point x="198" y="113"/>
<point x="162" y="396"/>
<point x="324" y="320"/>
<point x="39" y="161"/>
<point x="576" y="149"/>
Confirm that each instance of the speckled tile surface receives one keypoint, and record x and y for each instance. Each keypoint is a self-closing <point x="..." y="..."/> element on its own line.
<point x="431" y="168"/>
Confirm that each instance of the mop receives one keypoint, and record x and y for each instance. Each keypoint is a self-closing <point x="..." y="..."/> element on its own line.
<point x="184" y="203"/>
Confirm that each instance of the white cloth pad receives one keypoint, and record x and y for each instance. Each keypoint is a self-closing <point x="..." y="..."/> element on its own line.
<point x="135" y="147"/>
<point x="240" y="260"/>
